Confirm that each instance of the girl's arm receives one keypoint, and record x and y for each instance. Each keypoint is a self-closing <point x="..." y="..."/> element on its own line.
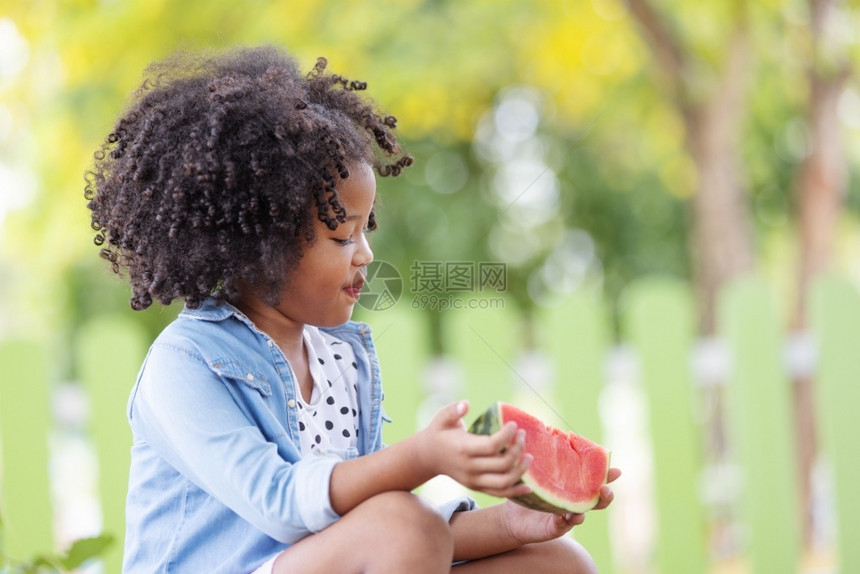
<point x="491" y="464"/>
<point x="476" y="461"/>
<point x="188" y="416"/>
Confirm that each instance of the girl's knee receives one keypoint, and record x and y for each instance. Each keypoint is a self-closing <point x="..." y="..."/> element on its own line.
<point x="392" y="532"/>
<point x="565" y="555"/>
<point x="409" y="512"/>
<point x="411" y="523"/>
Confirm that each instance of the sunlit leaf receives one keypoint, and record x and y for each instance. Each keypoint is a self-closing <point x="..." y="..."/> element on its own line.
<point x="85" y="549"/>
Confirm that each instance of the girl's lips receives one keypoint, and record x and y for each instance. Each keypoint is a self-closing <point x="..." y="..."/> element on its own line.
<point x="354" y="291"/>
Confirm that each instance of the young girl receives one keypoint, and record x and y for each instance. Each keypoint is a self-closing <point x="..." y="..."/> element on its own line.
<point x="245" y="188"/>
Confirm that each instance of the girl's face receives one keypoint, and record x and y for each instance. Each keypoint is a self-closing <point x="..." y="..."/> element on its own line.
<point x="326" y="284"/>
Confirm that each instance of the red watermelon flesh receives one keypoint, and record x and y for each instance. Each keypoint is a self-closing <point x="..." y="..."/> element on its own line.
<point x="567" y="470"/>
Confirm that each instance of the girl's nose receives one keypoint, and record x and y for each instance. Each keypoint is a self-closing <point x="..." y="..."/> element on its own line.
<point x="363" y="255"/>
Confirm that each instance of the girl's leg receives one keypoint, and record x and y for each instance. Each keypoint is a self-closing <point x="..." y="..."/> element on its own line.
<point x="391" y="533"/>
<point x="560" y="556"/>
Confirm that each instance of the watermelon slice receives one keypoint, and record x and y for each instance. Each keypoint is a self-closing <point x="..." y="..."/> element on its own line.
<point x="567" y="470"/>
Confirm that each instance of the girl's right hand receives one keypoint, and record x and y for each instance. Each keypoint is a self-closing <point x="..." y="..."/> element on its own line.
<point x="492" y="464"/>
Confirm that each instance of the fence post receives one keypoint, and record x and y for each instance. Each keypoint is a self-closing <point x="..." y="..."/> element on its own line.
<point x="835" y="315"/>
<point x="486" y="343"/>
<point x="577" y="338"/>
<point x="109" y="352"/>
<point x="400" y="337"/>
<point x="25" y="422"/>
<point x="660" y="323"/>
<point x="760" y="424"/>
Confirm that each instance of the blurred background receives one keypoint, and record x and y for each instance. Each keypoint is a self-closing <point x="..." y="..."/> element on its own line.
<point x="580" y="146"/>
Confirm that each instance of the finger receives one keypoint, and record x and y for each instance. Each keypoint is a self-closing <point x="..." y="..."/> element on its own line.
<point x="606" y="497"/>
<point x="571" y="519"/>
<point x="515" y="447"/>
<point x="493" y="465"/>
<point x="514" y="462"/>
<point x="613" y="474"/>
<point x="492" y="445"/>
<point x="502" y="481"/>
<point x="451" y="415"/>
<point x="525" y="462"/>
<point x="505" y="438"/>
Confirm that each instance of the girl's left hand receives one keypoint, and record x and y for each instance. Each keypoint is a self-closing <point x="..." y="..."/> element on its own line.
<point x="525" y="525"/>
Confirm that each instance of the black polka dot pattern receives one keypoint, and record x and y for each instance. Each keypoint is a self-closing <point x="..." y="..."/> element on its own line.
<point x="331" y="418"/>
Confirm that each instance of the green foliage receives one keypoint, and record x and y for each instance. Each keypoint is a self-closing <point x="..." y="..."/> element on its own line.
<point x="607" y="128"/>
<point x="78" y="553"/>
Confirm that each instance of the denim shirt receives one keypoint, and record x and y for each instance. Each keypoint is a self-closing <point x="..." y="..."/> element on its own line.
<point x="217" y="482"/>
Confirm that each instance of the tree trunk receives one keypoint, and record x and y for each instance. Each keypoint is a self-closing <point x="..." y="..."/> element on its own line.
<point x="722" y="231"/>
<point x="821" y="189"/>
<point x="823" y="174"/>
<point x="721" y="243"/>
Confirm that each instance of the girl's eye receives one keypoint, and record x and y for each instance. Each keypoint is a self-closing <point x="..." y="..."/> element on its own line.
<point x="350" y="240"/>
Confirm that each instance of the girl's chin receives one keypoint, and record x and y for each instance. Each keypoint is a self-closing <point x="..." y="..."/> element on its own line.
<point x="337" y="320"/>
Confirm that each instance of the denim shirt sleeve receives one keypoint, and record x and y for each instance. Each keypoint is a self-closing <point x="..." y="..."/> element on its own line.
<point x="189" y="417"/>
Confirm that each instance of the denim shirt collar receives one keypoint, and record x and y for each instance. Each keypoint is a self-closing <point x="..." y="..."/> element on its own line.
<point x="210" y="310"/>
<point x="351" y="331"/>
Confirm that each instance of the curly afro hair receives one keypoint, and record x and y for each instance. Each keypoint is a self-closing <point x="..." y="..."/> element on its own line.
<point x="212" y="177"/>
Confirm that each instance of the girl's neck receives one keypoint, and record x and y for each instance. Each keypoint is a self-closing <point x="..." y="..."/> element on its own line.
<point x="286" y="333"/>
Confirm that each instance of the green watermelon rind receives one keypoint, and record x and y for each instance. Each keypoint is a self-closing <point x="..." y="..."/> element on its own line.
<point x="539" y="499"/>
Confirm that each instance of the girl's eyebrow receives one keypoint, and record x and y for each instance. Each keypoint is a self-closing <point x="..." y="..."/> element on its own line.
<point x="354" y="216"/>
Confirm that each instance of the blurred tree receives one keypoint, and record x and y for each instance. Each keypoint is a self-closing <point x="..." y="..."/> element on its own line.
<point x="822" y="180"/>
<point x="708" y="82"/>
<point x="614" y="139"/>
<point x="86" y="56"/>
<point x="821" y="188"/>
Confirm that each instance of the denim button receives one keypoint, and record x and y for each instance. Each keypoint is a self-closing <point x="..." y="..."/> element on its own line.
<point x="250" y="377"/>
<point x="291" y="403"/>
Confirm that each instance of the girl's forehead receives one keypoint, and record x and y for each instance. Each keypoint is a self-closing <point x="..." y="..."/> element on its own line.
<point x="359" y="189"/>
